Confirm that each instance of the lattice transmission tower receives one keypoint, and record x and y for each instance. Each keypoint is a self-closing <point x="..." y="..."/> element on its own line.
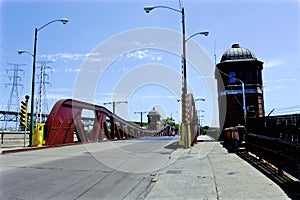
<point x="13" y="103"/>
<point x="41" y="98"/>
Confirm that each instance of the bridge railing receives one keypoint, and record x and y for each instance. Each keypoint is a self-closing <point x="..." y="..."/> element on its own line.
<point x="12" y="137"/>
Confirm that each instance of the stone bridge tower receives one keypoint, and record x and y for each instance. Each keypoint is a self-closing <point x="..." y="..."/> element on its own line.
<point x="153" y="119"/>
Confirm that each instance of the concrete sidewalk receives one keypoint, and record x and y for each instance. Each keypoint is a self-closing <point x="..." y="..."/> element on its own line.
<point x="207" y="171"/>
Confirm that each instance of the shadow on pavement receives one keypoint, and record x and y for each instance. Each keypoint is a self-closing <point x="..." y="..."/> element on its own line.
<point x="174" y="146"/>
<point x="288" y="185"/>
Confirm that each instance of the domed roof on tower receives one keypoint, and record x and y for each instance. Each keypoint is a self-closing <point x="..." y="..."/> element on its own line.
<point x="237" y="53"/>
<point x="153" y="112"/>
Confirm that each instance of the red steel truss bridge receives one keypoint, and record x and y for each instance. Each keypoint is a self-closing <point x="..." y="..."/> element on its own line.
<point x="65" y="125"/>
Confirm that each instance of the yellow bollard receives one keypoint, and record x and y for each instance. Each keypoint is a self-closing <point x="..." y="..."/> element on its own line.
<point x="38" y="135"/>
<point x="181" y="142"/>
<point x="189" y="138"/>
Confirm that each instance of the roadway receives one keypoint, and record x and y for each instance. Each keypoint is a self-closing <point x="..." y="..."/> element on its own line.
<point x="107" y="170"/>
<point x="146" y="168"/>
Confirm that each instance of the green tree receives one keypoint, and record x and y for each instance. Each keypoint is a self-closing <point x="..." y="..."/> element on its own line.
<point x="170" y="121"/>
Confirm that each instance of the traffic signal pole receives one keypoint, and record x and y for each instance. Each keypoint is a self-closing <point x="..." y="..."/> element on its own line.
<point x="24" y="105"/>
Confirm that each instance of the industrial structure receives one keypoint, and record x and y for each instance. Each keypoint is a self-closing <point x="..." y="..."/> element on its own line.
<point x="14" y="75"/>
<point x="153" y="119"/>
<point x="240" y="87"/>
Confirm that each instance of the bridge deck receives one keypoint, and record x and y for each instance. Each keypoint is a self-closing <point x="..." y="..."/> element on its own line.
<point x="205" y="171"/>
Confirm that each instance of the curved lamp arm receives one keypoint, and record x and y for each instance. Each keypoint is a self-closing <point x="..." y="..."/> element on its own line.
<point x="149" y="8"/>
<point x="205" y="33"/>
<point x="63" y="20"/>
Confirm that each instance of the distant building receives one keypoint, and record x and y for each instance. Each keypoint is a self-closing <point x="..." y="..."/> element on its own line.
<point x="153" y="119"/>
<point x="239" y="65"/>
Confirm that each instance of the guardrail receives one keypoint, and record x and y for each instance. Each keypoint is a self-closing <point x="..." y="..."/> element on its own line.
<point x="285" y="155"/>
<point x="12" y="136"/>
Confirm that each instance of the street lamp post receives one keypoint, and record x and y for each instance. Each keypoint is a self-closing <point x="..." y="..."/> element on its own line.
<point x="184" y="88"/>
<point x="64" y="21"/>
<point x="184" y="102"/>
<point x="244" y="96"/>
<point x="244" y="101"/>
<point x="114" y="103"/>
<point x="199" y="119"/>
<point x="141" y="113"/>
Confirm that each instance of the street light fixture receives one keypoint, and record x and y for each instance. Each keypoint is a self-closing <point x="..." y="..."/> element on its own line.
<point x="114" y="103"/>
<point x="64" y="21"/>
<point x="205" y="33"/>
<point x="23" y="51"/>
<point x="149" y="8"/>
<point x="200" y="99"/>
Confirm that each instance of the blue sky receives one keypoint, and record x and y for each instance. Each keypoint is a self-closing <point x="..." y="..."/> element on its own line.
<point x="270" y="29"/>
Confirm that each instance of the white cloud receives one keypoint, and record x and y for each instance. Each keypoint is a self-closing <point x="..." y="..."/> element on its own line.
<point x="123" y="69"/>
<point x="53" y="96"/>
<point x="67" y="56"/>
<point x="72" y="70"/>
<point x="153" y="97"/>
<point x="64" y="90"/>
<point x="273" y="63"/>
<point x="206" y="77"/>
<point x="273" y="88"/>
<point x="272" y="85"/>
<point x="144" y="54"/>
<point x="280" y="80"/>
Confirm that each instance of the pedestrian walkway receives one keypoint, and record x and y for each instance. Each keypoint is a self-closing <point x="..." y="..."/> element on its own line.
<point x="207" y="171"/>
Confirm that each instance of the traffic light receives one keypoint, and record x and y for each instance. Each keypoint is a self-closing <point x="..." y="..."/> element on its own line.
<point x="24" y="105"/>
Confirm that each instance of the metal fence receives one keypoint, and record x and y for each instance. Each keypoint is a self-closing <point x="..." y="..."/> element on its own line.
<point x="286" y="127"/>
<point x="283" y="154"/>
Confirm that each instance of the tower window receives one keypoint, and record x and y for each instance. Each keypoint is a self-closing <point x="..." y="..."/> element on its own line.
<point x="249" y="76"/>
<point x="232" y="78"/>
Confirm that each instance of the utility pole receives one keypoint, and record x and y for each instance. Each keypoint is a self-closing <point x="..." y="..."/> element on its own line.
<point x="41" y="101"/>
<point x="13" y="73"/>
<point x="141" y="113"/>
<point x="114" y="103"/>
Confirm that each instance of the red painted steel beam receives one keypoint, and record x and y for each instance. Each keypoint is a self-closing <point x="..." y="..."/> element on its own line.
<point x="65" y="120"/>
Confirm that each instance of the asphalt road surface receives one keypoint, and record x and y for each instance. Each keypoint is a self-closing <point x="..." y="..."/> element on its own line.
<point x="106" y="170"/>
